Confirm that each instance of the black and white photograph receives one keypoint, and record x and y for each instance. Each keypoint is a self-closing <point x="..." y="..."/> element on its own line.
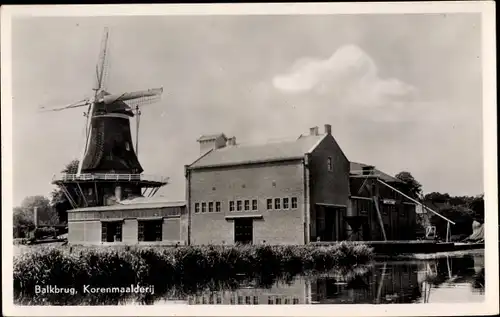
<point x="193" y="159"/>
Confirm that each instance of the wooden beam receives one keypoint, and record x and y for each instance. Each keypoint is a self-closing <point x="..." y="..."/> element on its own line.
<point x="408" y="197"/>
<point x="379" y="215"/>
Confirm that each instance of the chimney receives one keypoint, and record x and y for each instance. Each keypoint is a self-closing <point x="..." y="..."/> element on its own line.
<point x="328" y="129"/>
<point x="314" y="131"/>
<point x="211" y="142"/>
<point x="231" y="141"/>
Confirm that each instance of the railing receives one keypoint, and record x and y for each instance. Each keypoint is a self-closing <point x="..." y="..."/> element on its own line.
<point x="109" y="177"/>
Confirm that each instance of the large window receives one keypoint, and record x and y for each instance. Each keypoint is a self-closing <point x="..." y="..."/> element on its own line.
<point x="217" y="206"/>
<point x="211" y="207"/>
<point x="239" y="205"/>
<point x="111" y="231"/>
<point x="247" y="205"/>
<point x="150" y="230"/>
<point x="294" y="202"/>
<point x="196" y="208"/>
<point x="231" y="205"/>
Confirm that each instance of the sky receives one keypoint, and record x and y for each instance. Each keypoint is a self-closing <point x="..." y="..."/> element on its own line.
<point x="402" y="92"/>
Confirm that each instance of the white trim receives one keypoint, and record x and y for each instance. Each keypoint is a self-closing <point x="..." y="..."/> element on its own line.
<point x="331" y="205"/>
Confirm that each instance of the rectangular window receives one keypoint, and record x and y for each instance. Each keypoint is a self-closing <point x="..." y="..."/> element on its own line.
<point x="219" y="299"/>
<point x="270" y="300"/>
<point x="196" y="208"/>
<point x="294" y="202"/>
<point x="231" y="205"/>
<point x="149" y="230"/>
<point x="254" y="204"/>
<point x="247" y="205"/>
<point x="248" y="300"/>
<point x="211" y="206"/>
<point x="256" y="300"/>
<point x="203" y="207"/>
<point x="240" y="300"/>
<point x="287" y="301"/>
<point x="277" y="203"/>
<point x="217" y="206"/>
<point x="285" y="203"/>
<point x="278" y="301"/>
<point x="239" y="205"/>
<point x="111" y="231"/>
<point x="295" y="301"/>
<point x="330" y="164"/>
<point x="269" y="204"/>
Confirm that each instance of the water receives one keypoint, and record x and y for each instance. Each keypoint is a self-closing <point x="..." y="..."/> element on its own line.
<point x="455" y="278"/>
<point x="447" y="279"/>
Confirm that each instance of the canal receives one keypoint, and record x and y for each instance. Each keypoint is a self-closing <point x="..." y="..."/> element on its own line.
<point x="447" y="279"/>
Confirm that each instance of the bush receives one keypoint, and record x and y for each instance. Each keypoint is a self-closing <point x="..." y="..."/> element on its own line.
<point x="43" y="232"/>
<point x="186" y="268"/>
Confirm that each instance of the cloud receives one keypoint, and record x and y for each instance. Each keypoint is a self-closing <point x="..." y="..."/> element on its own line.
<point x="350" y="75"/>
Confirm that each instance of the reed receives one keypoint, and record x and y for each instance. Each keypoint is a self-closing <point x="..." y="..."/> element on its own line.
<point x="185" y="268"/>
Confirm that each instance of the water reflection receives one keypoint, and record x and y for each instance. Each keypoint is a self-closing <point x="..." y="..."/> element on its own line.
<point x="446" y="279"/>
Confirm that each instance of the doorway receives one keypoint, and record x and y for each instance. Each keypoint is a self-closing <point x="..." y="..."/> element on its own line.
<point x="243" y="230"/>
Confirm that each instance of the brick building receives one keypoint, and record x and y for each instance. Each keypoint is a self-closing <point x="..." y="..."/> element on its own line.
<point x="293" y="192"/>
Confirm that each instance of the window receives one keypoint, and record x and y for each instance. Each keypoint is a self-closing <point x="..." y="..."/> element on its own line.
<point x="269" y="204"/>
<point x="232" y="300"/>
<point x="217" y="206"/>
<point x="287" y="301"/>
<point x="203" y="207"/>
<point x="254" y="204"/>
<point x="330" y="164"/>
<point x="295" y="301"/>
<point x="150" y="230"/>
<point x="247" y="205"/>
<point x="277" y="203"/>
<point x="294" y="202"/>
<point x="240" y="300"/>
<point x="231" y="205"/>
<point x="239" y="205"/>
<point x="219" y="299"/>
<point x="111" y="231"/>
<point x="285" y="203"/>
<point x="248" y="300"/>
<point x="196" y="208"/>
<point x="211" y="300"/>
<point x="270" y="300"/>
<point x="211" y="206"/>
<point x="256" y="300"/>
<point x="278" y="301"/>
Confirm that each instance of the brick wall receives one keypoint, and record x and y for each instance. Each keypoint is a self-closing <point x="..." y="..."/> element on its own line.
<point x="328" y="186"/>
<point x="257" y="181"/>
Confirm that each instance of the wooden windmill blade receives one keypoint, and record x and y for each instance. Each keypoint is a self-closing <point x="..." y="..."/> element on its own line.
<point x="101" y="74"/>
<point x="102" y="65"/>
<point x="133" y="97"/>
<point x="80" y="103"/>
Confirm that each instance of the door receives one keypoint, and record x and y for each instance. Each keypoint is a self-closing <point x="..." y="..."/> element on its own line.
<point x="330" y="224"/>
<point x="243" y="230"/>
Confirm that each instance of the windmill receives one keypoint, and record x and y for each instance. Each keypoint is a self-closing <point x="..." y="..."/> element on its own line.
<point x="108" y="164"/>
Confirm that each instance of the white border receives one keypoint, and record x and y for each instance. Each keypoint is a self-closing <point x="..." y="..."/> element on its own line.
<point x="486" y="8"/>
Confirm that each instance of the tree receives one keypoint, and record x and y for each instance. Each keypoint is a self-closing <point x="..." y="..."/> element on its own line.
<point x="477" y="206"/>
<point x="24" y="215"/>
<point x="59" y="200"/>
<point x="413" y="187"/>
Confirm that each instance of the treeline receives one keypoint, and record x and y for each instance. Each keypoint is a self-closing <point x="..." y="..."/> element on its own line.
<point x="463" y="210"/>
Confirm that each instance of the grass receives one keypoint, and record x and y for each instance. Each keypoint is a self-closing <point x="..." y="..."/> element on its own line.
<point x="182" y="270"/>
